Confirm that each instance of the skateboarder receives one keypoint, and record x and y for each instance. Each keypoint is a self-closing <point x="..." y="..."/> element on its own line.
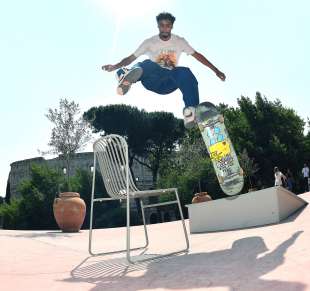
<point x="161" y="73"/>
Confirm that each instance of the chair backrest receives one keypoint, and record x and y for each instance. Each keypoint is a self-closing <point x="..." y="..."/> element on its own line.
<point x="111" y="152"/>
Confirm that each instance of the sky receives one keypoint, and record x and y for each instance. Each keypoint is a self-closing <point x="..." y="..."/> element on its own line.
<point x="55" y="49"/>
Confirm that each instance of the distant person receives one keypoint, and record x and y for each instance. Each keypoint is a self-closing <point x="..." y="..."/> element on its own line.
<point x="289" y="180"/>
<point x="305" y="174"/>
<point x="279" y="177"/>
<point x="160" y="73"/>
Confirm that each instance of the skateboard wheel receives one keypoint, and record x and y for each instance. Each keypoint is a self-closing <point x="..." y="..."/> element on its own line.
<point x="241" y="173"/>
<point x="221" y="119"/>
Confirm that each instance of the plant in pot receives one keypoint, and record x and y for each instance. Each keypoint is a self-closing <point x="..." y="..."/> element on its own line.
<point x="70" y="134"/>
<point x="249" y="169"/>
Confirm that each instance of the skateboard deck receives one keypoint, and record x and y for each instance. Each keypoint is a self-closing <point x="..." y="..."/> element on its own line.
<point x="220" y="148"/>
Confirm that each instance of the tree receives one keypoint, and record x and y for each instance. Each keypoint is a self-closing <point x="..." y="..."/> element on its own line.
<point x="164" y="133"/>
<point x="248" y="166"/>
<point x="33" y="209"/>
<point x="150" y="136"/>
<point x="271" y="133"/>
<point x="70" y="132"/>
<point x="8" y="192"/>
<point x="107" y="214"/>
<point x="275" y="132"/>
<point x="190" y="169"/>
<point x="124" y="120"/>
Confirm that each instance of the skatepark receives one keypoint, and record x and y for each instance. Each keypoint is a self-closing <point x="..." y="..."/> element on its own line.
<point x="270" y="257"/>
<point x="196" y="108"/>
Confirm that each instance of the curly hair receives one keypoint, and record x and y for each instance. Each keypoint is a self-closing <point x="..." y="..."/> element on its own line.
<point x="165" y="16"/>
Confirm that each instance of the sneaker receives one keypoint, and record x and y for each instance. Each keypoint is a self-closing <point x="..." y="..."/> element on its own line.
<point x="126" y="77"/>
<point x="189" y="117"/>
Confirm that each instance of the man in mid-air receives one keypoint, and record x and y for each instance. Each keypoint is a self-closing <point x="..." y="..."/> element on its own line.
<point x="161" y="73"/>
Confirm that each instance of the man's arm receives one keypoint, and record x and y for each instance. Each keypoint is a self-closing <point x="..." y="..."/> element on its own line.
<point x="124" y="62"/>
<point x="201" y="58"/>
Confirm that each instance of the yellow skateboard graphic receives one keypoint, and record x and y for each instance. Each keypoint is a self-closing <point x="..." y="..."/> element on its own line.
<point x="219" y="146"/>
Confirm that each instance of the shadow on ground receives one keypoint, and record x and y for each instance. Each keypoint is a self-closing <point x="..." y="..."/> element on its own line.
<point x="239" y="268"/>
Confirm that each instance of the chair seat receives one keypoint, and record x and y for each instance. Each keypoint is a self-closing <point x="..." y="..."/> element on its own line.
<point x="148" y="193"/>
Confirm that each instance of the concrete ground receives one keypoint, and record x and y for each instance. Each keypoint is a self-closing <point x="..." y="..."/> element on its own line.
<point x="274" y="257"/>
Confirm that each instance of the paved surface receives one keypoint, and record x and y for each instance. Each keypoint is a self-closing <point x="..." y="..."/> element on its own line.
<point x="275" y="257"/>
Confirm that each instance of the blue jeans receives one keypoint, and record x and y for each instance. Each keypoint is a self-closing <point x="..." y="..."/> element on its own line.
<point x="164" y="81"/>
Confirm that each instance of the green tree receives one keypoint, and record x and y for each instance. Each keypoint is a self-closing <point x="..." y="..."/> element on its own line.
<point x="248" y="166"/>
<point x="164" y="133"/>
<point x="69" y="134"/>
<point x="190" y="169"/>
<point x="8" y="192"/>
<point x="11" y="214"/>
<point x="106" y="214"/>
<point x="150" y="136"/>
<point x="33" y="210"/>
<point x="271" y="133"/>
<point x="276" y="133"/>
<point x="123" y="120"/>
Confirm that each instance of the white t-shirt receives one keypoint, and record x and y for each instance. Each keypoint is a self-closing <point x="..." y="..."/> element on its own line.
<point x="278" y="181"/>
<point x="165" y="53"/>
<point x="305" y="172"/>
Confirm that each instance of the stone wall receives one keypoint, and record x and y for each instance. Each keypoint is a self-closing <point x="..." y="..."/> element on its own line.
<point x="21" y="170"/>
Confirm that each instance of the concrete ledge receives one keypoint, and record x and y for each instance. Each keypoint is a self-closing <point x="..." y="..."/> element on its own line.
<point x="256" y="208"/>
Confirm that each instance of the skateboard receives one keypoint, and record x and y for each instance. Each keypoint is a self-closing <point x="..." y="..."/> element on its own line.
<point x="220" y="148"/>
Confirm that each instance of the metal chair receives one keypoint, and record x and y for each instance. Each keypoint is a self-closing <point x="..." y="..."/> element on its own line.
<point x="111" y="152"/>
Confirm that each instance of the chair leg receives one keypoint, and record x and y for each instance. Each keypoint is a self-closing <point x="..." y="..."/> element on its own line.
<point x="90" y="249"/>
<point x="128" y="232"/>
<point x="182" y="218"/>
<point x="128" y="249"/>
<point x="164" y="255"/>
<point x="144" y="224"/>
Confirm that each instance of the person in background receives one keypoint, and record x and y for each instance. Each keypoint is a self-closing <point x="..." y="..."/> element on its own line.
<point x="278" y="176"/>
<point x="289" y="180"/>
<point x="305" y="174"/>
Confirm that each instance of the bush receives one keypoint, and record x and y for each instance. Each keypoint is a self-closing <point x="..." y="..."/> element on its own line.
<point x="11" y="214"/>
<point x="190" y="170"/>
<point x="34" y="209"/>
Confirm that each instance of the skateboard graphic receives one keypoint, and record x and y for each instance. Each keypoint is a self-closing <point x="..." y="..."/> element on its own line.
<point x="219" y="146"/>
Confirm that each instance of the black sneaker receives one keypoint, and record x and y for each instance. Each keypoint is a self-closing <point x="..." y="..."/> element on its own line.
<point x="189" y="117"/>
<point x="126" y="77"/>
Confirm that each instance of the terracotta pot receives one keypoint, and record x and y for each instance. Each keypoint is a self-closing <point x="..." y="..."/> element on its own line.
<point x="201" y="197"/>
<point x="69" y="211"/>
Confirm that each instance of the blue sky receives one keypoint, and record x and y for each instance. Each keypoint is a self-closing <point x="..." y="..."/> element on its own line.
<point x="54" y="49"/>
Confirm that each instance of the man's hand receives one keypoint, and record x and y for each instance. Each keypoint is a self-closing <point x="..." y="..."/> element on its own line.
<point x="124" y="62"/>
<point x="108" y="68"/>
<point x="201" y="58"/>
<point x="221" y="75"/>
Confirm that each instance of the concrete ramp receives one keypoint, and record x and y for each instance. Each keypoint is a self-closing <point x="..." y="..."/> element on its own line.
<point x="256" y="208"/>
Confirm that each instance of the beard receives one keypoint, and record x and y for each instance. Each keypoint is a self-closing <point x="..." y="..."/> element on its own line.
<point x="165" y="35"/>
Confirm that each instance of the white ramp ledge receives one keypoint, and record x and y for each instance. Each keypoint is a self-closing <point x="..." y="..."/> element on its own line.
<point x="256" y="208"/>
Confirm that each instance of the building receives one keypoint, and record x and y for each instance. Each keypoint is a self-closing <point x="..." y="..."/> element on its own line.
<point x="21" y="170"/>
